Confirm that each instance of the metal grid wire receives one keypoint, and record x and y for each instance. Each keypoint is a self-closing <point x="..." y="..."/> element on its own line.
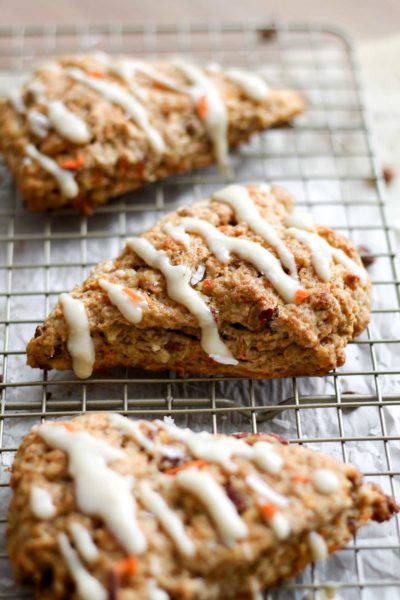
<point x="328" y="160"/>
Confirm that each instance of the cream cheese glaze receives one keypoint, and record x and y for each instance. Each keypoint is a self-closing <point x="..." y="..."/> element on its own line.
<point x="179" y="289"/>
<point x="83" y="542"/>
<point x="65" y="179"/>
<point x="99" y="489"/>
<point x="88" y="587"/>
<point x="223" y="246"/>
<point x="119" y="95"/>
<point x="246" y="211"/>
<point x="129" y="304"/>
<point x="79" y="343"/>
<point x="41" y="503"/>
<point x="215" y="118"/>
<point x="251" y="84"/>
<point x="222" y="511"/>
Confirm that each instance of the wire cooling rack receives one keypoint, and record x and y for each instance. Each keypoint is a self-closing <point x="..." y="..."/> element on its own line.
<point x="327" y="159"/>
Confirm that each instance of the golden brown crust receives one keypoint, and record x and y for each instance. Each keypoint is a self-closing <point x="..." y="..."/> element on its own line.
<point x="118" y="157"/>
<point x="269" y="337"/>
<point x="224" y="572"/>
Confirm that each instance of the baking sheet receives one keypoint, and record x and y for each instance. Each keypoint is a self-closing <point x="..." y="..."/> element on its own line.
<point x="326" y="161"/>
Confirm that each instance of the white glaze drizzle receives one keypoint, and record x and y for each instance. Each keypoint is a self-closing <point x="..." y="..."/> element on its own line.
<point x="208" y="447"/>
<point x="99" y="490"/>
<point x="64" y="178"/>
<point x="280" y="526"/>
<point x="156" y="593"/>
<point x="318" y="546"/>
<point x="326" y="481"/>
<point x="119" y="95"/>
<point x="83" y="542"/>
<point x="300" y="219"/>
<point x="251" y="84"/>
<point x="222" y="511"/>
<point x="38" y="123"/>
<point x="178" y="288"/>
<point x="262" y="488"/>
<point x="17" y="101"/>
<point x="88" y="587"/>
<point x="67" y="124"/>
<point x="322" y="254"/>
<point x="127" y="68"/>
<point x="238" y="197"/>
<point x="131" y="428"/>
<point x="168" y="519"/>
<point x="216" y="118"/>
<point x="265" y="458"/>
<point x="177" y="233"/>
<point x="41" y="503"/>
<point x="131" y="310"/>
<point x="80" y="344"/>
<point x="223" y="246"/>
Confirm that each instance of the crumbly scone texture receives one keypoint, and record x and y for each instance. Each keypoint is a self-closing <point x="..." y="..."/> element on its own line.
<point x="270" y="338"/>
<point x="216" y="571"/>
<point x="118" y="158"/>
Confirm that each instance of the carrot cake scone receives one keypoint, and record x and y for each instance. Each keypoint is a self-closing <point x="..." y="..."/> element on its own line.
<point x="237" y="284"/>
<point x="106" y="508"/>
<point x="86" y="128"/>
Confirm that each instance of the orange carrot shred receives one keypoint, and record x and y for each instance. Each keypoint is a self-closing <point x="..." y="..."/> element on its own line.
<point x="193" y="464"/>
<point x="70" y="427"/>
<point x="96" y="74"/>
<point x="126" y="566"/>
<point x="202" y="107"/>
<point x="301" y="295"/>
<point x="301" y="478"/>
<point x="269" y="509"/>
<point x="74" y="163"/>
<point x="132" y="295"/>
<point x="208" y="285"/>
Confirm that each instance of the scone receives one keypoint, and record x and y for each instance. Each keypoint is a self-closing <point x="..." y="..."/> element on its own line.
<point x="237" y="285"/>
<point x="109" y="508"/>
<point x="86" y="128"/>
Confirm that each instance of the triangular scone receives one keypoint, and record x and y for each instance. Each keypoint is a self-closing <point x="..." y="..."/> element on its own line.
<point x="84" y="129"/>
<point x="204" y="292"/>
<point x="120" y="508"/>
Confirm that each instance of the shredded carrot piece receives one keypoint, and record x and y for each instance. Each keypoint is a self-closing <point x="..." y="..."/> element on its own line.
<point x="70" y="427"/>
<point x="96" y="74"/>
<point x="168" y="243"/>
<point x="202" y="107"/>
<point x="223" y="227"/>
<point x="301" y="478"/>
<point x="132" y="295"/>
<point x="269" y="509"/>
<point x="193" y="464"/>
<point x="301" y="295"/>
<point x="126" y="566"/>
<point x="159" y="86"/>
<point x="208" y="285"/>
<point x="73" y="163"/>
